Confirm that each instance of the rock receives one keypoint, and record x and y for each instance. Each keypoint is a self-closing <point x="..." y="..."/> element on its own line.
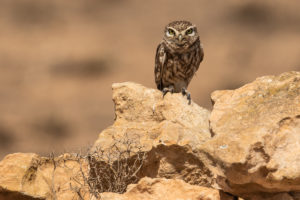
<point x="256" y="143"/>
<point x="167" y="189"/>
<point x="273" y="196"/>
<point x="29" y="176"/>
<point x="168" y="129"/>
<point x="248" y="146"/>
<point x="144" y="112"/>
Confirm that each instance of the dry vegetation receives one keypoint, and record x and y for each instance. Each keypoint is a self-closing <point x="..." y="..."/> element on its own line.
<point x="104" y="170"/>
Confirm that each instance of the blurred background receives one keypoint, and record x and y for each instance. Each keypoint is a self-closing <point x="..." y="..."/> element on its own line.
<point x="58" y="59"/>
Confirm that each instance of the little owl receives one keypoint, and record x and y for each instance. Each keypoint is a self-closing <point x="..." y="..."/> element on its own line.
<point x="177" y="58"/>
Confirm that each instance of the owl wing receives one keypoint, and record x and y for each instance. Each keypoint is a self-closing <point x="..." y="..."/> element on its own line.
<point x="201" y="52"/>
<point x="160" y="59"/>
<point x="201" y="55"/>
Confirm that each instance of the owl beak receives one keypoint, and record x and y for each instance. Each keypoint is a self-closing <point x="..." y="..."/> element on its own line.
<point x="180" y="37"/>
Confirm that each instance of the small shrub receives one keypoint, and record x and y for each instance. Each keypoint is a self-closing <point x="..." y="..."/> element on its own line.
<point x="111" y="169"/>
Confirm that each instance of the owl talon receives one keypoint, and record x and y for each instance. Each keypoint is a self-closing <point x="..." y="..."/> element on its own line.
<point x="188" y="95"/>
<point x="166" y="90"/>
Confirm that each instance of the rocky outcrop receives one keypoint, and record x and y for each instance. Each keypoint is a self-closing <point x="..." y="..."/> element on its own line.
<point x="256" y="139"/>
<point x="168" y="129"/>
<point x="248" y="146"/>
<point x="143" y="112"/>
<point x="167" y="189"/>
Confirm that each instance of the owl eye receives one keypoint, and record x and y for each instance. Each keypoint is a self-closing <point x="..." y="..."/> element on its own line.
<point x="171" y="32"/>
<point x="189" y="31"/>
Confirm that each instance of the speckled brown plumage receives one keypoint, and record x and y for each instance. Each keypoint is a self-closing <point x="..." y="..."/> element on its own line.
<point x="178" y="57"/>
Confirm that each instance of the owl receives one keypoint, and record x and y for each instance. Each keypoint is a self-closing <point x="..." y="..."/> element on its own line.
<point x="178" y="57"/>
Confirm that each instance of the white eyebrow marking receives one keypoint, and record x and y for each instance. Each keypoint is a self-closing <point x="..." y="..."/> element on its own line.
<point x="168" y="34"/>
<point x="192" y="34"/>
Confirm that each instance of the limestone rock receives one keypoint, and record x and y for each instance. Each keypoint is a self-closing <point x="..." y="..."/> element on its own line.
<point x="256" y="143"/>
<point x="29" y="176"/>
<point x="167" y="128"/>
<point x="144" y="112"/>
<point x="250" y="144"/>
<point x="167" y="189"/>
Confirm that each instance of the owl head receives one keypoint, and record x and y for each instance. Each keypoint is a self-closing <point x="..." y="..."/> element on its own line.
<point x="180" y="35"/>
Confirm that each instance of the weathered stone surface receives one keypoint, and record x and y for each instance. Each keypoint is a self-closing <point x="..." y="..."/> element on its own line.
<point x="167" y="128"/>
<point x="18" y="171"/>
<point x="167" y="189"/>
<point x="29" y="176"/>
<point x="144" y="112"/>
<point x="251" y="146"/>
<point x="256" y="139"/>
<point x="274" y="196"/>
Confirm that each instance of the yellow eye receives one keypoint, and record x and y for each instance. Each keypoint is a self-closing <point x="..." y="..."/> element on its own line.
<point x="171" y="32"/>
<point x="189" y="31"/>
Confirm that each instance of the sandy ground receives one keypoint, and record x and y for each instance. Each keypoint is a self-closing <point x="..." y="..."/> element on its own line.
<point x="58" y="59"/>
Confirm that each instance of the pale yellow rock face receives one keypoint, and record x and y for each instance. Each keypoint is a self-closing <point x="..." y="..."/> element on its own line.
<point x="144" y="112"/>
<point x="29" y="176"/>
<point x="167" y="128"/>
<point x="256" y="141"/>
<point x="166" y="189"/>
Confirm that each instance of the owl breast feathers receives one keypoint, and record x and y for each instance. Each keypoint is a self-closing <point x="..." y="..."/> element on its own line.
<point x="178" y="57"/>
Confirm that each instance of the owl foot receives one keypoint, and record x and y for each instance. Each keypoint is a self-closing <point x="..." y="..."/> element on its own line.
<point x="166" y="90"/>
<point x="188" y="95"/>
